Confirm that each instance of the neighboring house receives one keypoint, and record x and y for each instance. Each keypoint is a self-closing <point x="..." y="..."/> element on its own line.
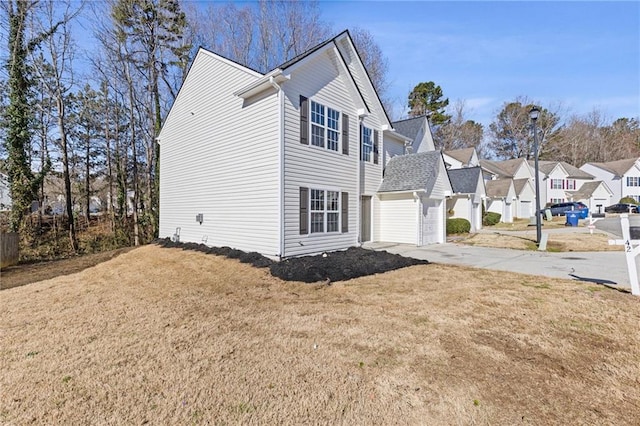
<point x="468" y="195"/>
<point x="558" y="179"/>
<point x="596" y="195"/>
<point x="521" y="175"/>
<point x="525" y="192"/>
<point x="414" y="186"/>
<point x="5" y="193"/>
<point x="501" y="195"/>
<point x="459" y="158"/>
<point x="622" y="177"/>
<point x="290" y="163"/>
<point x="417" y="129"/>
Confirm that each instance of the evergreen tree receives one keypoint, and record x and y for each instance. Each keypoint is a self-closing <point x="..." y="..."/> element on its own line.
<point x="427" y="98"/>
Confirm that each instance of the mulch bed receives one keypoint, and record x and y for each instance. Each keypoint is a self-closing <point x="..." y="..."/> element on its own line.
<point x="329" y="267"/>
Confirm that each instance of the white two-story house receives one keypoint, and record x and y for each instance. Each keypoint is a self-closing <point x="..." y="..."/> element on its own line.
<point x="558" y="179"/>
<point x="290" y="162"/>
<point x="622" y="177"/>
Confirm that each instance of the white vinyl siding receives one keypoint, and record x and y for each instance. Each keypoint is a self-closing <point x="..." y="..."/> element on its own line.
<point x="324" y="82"/>
<point x="207" y="168"/>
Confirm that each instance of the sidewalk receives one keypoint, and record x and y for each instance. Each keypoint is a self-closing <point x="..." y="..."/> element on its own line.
<point x="608" y="268"/>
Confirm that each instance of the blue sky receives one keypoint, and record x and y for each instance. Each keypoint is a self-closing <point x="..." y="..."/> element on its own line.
<point x="574" y="55"/>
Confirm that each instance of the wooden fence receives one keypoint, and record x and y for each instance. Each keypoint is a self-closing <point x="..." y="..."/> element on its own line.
<point x="8" y="249"/>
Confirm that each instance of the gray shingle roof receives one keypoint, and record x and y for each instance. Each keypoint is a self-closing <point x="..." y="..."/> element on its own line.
<point x="493" y="167"/>
<point x="464" y="181"/>
<point x="519" y="184"/>
<point x="409" y="127"/>
<point x="547" y="167"/>
<point x="617" y="168"/>
<point x="498" y="188"/>
<point x="506" y="168"/>
<point x="463" y="155"/>
<point x="586" y="190"/>
<point x="411" y="172"/>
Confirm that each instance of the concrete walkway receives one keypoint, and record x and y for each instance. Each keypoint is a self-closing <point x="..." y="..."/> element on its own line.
<point x="608" y="268"/>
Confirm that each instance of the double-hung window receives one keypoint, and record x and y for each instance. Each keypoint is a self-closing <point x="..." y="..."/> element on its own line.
<point x="633" y="181"/>
<point x="571" y="184"/>
<point x="325" y="211"/>
<point x="556" y="183"/>
<point x="367" y="144"/>
<point x="325" y="127"/>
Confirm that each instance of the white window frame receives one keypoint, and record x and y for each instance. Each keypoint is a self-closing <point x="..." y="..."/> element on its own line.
<point x="557" y="200"/>
<point x="571" y="184"/>
<point x="367" y="154"/>
<point x="633" y="181"/>
<point x="320" y="117"/>
<point x="324" y="210"/>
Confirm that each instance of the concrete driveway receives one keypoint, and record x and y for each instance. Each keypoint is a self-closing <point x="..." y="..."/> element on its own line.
<point x="608" y="268"/>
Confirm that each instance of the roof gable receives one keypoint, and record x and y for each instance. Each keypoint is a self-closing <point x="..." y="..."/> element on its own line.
<point x="500" y="188"/>
<point x="587" y="189"/>
<point x="619" y="167"/>
<point x="464" y="155"/>
<point x="412" y="172"/>
<point x="465" y="180"/>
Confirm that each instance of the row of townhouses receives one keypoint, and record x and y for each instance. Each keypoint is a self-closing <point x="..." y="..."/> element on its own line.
<point x="304" y="159"/>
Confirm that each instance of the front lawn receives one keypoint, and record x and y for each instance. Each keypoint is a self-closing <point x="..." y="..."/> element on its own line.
<point x="168" y="336"/>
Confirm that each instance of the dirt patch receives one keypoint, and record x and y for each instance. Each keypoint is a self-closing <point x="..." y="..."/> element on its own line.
<point x="27" y="273"/>
<point x="168" y="336"/>
<point x="328" y="267"/>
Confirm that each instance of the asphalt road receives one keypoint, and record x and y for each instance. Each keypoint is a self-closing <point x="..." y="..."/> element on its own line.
<point x="611" y="224"/>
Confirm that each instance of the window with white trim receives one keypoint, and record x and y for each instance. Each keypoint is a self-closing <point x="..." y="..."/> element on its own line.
<point x="367" y="144"/>
<point x="571" y="184"/>
<point x="556" y="183"/>
<point x="325" y="211"/>
<point x="557" y="200"/>
<point x="325" y="127"/>
<point x="633" y="181"/>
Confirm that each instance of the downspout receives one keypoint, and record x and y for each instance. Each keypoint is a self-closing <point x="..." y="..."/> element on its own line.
<point x="359" y="183"/>
<point x="275" y="85"/>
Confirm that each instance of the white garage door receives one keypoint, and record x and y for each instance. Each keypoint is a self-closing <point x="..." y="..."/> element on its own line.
<point x="526" y="210"/>
<point x="432" y="222"/>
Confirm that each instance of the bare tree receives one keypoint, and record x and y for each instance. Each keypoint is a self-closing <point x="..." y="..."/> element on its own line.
<point x="60" y="51"/>
<point x="374" y="61"/>
<point x="510" y="132"/>
<point x="459" y="132"/>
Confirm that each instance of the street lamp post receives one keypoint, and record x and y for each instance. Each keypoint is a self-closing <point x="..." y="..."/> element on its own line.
<point x="533" y="114"/>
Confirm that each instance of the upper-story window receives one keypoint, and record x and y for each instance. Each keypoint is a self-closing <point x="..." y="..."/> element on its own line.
<point x="571" y="184"/>
<point x="367" y="144"/>
<point x="325" y="127"/>
<point x="633" y="181"/>
<point x="556" y="183"/>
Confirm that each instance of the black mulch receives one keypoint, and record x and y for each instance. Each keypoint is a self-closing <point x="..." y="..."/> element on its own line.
<point x="333" y="266"/>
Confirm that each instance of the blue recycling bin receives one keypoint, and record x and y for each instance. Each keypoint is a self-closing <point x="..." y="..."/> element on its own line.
<point x="572" y="218"/>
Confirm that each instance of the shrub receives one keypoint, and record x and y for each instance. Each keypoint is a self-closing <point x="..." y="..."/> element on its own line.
<point x="491" y="218"/>
<point x="627" y="200"/>
<point x="458" y="226"/>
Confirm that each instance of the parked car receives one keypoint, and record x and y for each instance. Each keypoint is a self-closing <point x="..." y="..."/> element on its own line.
<point x="560" y="209"/>
<point x="621" y="208"/>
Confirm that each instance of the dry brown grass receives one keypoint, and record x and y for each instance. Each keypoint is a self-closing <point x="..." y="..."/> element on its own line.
<point x="523" y="224"/>
<point x="563" y="242"/>
<point x="167" y="336"/>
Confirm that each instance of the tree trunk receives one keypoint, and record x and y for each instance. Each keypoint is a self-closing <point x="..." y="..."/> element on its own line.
<point x="67" y="177"/>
